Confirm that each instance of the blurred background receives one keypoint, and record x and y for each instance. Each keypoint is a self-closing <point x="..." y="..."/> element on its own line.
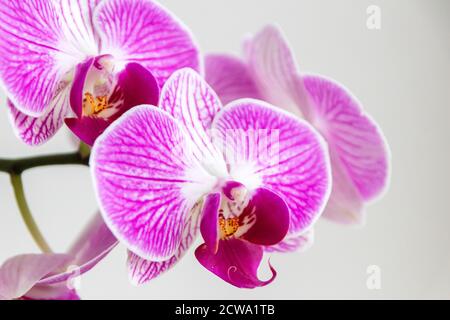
<point x="400" y="72"/>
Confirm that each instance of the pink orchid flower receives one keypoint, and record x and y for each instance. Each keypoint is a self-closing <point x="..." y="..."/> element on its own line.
<point x="46" y="276"/>
<point x="85" y="62"/>
<point x="358" y="150"/>
<point x="248" y="176"/>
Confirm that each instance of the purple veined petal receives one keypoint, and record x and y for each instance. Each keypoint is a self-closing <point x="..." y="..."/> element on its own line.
<point x="209" y="226"/>
<point x="190" y="100"/>
<point x="230" y="78"/>
<point x="94" y="243"/>
<point x="236" y="262"/>
<point x="141" y="271"/>
<point x="267" y="147"/>
<point x="355" y="140"/>
<point x="36" y="131"/>
<point x="144" y="32"/>
<point x="293" y="243"/>
<point x="20" y="273"/>
<point x="80" y="36"/>
<point x="270" y="216"/>
<point x="147" y="181"/>
<point x="273" y="68"/>
<point x="134" y="86"/>
<point x="34" y="56"/>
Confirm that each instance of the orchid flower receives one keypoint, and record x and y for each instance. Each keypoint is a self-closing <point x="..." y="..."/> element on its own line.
<point x="358" y="150"/>
<point x="85" y="62"/>
<point x="46" y="276"/>
<point x="247" y="176"/>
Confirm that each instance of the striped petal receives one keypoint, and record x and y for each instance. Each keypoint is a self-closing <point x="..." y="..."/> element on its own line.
<point x="143" y="32"/>
<point x="230" y="78"/>
<point x="273" y="68"/>
<point x="81" y="38"/>
<point x="36" y="52"/>
<point x="28" y="43"/>
<point x="190" y="100"/>
<point x="359" y="151"/>
<point x="147" y="181"/>
<point x="141" y="271"/>
<point x="266" y="147"/>
<point x="36" y="131"/>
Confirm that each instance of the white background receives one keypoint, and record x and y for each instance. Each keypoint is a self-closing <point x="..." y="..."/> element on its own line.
<point x="401" y="74"/>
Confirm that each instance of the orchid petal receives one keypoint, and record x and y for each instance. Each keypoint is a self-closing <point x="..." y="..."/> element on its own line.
<point x="142" y="271"/>
<point x="273" y="68"/>
<point x="51" y="292"/>
<point x="230" y="78"/>
<point x="270" y="216"/>
<point x="35" y="131"/>
<point x="144" y="32"/>
<point x="267" y="147"/>
<point x="236" y="262"/>
<point x="87" y="129"/>
<point x="19" y="274"/>
<point x="80" y="36"/>
<point x="209" y="226"/>
<point x="294" y="242"/>
<point x="345" y="205"/>
<point x="135" y="86"/>
<point x="34" y="56"/>
<point x="354" y="139"/>
<point x="94" y="243"/>
<point x="190" y="100"/>
<point x="147" y="181"/>
<point x="77" y="90"/>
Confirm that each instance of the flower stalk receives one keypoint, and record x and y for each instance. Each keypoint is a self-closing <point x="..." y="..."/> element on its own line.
<point x="15" y="168"/>
<point x="18" y="166"/>
<point x="19" y="193"/>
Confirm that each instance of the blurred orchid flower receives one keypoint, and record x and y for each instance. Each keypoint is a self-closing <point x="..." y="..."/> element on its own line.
<point x="358" y="150"/>
<point x="247" y="176"/>
<point x="99" y="57"/>
<point x="47" y="276"/>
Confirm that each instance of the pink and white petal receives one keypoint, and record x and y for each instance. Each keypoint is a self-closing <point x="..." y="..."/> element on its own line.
<point x="80" y="37"/>
<point x="294" y="242"/>
<point x="30" y="65"/>
<point x="230" y="78"/>
<point x="190" y="100"/>
<point x="94" y="243"/>
<point x="141" y="271"/>
<point x="236" y="262"/>
<point x="267" y="147"/>
<point x="36" y="131"/>
<point x="346" y="204"/>
<point x="20" y="273"/>
<point x="147" y="181"/>
<point x="142" y="31"/>
<point x="355" y="140"/>
<point x="273" y="68"/>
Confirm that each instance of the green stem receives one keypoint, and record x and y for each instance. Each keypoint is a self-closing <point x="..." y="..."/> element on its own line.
<point x="16" y="181"/>
<point x="15" y="168"/>
<point x="18" y="166"/>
